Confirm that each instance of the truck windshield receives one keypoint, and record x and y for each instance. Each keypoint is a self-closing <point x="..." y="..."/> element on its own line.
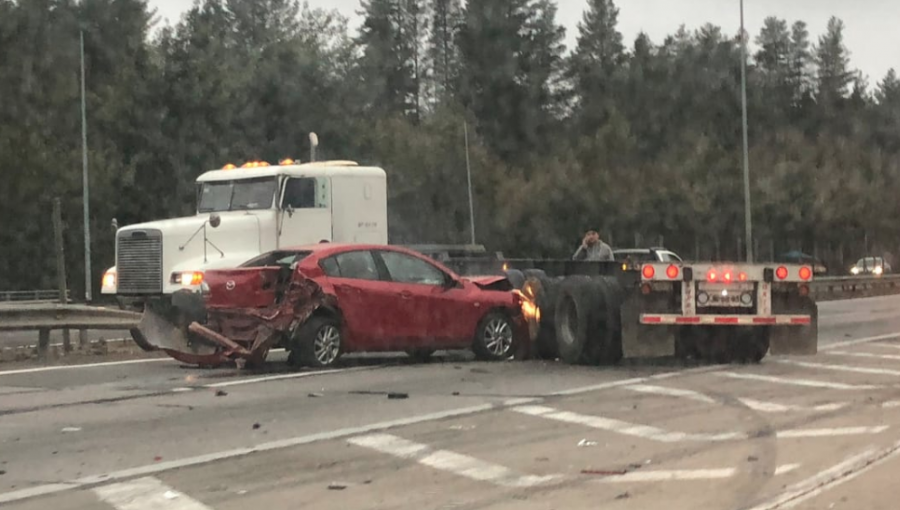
<point x="240" y="195"/>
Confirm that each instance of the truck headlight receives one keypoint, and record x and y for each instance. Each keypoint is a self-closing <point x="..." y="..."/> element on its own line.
<point x="109" y="280"/>
<point x="187" y="278"/>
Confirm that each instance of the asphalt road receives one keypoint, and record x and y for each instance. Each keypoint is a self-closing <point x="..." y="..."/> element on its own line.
<point x="807" y="432"/>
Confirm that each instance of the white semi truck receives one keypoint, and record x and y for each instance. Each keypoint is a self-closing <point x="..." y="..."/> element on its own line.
<point x="243" y="212"/>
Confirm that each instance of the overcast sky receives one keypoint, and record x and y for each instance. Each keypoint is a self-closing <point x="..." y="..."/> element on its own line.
<point x="872" y="33"/>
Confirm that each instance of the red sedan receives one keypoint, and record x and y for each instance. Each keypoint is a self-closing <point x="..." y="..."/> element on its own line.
<point x="379" y="298"/>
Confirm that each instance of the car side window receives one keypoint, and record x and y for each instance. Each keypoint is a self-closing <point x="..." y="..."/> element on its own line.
<point x="330" y="267"/>
<point x="357" y="265"/>
<point x="406" y="269"/>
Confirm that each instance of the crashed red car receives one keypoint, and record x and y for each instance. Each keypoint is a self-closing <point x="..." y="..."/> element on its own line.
<point x="325" y="300"/>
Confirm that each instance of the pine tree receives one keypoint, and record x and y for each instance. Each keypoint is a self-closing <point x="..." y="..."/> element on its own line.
<point x="443" y="52"/>
<point x="598" y="56"/>
<point x="833" y="61"/>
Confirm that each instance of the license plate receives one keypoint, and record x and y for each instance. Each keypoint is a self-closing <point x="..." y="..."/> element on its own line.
<point x="719" y="295"/>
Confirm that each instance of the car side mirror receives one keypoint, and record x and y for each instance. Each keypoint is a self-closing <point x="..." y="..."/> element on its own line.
<point x="452" y="283"/>
<point x="289" y="210"/>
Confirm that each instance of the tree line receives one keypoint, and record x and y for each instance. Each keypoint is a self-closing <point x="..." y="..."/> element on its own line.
<point x="639" y="139"/>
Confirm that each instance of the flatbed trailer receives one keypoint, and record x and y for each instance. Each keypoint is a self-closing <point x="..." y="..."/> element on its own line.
<point x="600" y="312"/>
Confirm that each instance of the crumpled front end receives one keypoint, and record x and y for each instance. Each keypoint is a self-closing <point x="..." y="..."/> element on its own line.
<point x="189" y="331"/>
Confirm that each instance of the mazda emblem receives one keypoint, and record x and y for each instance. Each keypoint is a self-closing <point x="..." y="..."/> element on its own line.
<point x="229" y="285"/>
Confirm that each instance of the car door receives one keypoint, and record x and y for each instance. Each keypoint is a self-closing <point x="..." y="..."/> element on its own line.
<point x="417" y="287"/>
<point x="363" y="296"/>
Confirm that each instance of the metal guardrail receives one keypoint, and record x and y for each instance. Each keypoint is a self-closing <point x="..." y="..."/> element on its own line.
<point x="848" y="287"/>
<point x="32" y="295"/>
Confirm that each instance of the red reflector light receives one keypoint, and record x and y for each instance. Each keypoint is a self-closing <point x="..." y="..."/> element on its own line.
<point x="711" y="276"/>
<point x="742" y="277"/>
<point x="805" y="273"/>
<point x="672" y="272"/>
<point x="727" y="276"/>
<point x="648" y="272"/>
<point x="781" y="273"/>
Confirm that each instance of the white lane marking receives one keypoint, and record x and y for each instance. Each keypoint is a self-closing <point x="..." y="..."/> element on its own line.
<point x="830" y="478"/>
<point x="797" y="382"/>
<point x="772" y="407"/>
<point x="886" y="346"/>
<point x="160" y="467"/>
<point x="146" y="494"/>
<point x="756" y="405"/>
<point x="181" y="390"/>
<point x="286" y="376"/>
<point x="785" y="469"/>
<point x="671" y="392"/>
<point x="890" y="404"/>
<point x="627" y="382"/>
<point x="671" y="475"/>
<point x="86" y="365"/>
<point x="893" y="357"/>
<point x="837" y="431"/>
<point x="623" y="427"/>
<point x="452" y="462"/>
<point x="847" y="343"/>
<point x="839" y="368"/>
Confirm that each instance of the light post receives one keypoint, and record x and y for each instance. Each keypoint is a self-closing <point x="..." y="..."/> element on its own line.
<point x="748" y="224"/>
<point x="86" y="191"/>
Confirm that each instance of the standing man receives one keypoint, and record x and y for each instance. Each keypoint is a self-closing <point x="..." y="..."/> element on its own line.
<point x="592" y="248"/>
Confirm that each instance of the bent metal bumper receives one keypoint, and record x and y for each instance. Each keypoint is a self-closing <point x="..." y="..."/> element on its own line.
<point x="190" y="332"/>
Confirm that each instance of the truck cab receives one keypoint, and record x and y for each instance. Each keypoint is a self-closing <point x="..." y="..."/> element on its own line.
<point x="243" y="212"/>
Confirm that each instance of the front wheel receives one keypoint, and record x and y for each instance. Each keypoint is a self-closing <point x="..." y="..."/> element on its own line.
<point x="317" y="343"/>
<point x="494" y="338"/>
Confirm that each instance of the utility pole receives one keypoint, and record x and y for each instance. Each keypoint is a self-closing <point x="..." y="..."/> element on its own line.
<point x="84" y="171"/>
<point x="748" y="224"/>
<point x="469" y="179"/>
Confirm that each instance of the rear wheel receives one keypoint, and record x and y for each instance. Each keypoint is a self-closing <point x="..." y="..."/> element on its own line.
<point x="578" y="321"/>
<point x="494" y="337"/>
<point x="317" y="343"/>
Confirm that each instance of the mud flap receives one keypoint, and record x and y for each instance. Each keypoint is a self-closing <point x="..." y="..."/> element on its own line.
<point x="797" y="340"/>
<point x="641" y="341"/>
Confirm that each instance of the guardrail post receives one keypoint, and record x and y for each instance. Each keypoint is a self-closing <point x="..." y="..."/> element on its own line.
<point x="43" y="342"/>
<point x="61" y="267"/>
<point x="82" y="338"/>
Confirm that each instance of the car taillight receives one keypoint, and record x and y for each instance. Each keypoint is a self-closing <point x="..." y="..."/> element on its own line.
<point x="648" y="272"/>
<point x="805" y="273"/>
<point x="672" y="272"/>
<point x="781" y="273"/>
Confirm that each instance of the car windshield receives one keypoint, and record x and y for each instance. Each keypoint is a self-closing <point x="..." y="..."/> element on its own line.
<point x="869" y="262"/>
<point x="238" y="195"/>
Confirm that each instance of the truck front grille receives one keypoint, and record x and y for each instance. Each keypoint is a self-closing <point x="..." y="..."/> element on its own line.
<point x="139" y="262"/>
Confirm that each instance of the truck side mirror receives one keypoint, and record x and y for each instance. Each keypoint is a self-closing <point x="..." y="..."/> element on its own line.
<point x="290" y="210"/>
<point x="115" y="225"/>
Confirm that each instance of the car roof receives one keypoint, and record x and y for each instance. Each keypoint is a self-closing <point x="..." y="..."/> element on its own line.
<point x="327" y="249"/>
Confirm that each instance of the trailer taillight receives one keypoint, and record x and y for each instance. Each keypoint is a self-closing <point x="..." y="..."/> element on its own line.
<point x="672" y="272"/>
<point x="781" y="273"/>
<point x="727" y="276"/>
<point x="711" y="275"/>
<point x="805" y="273"/>
<point x="742" y="276"/>
<point x="648" y="272"/>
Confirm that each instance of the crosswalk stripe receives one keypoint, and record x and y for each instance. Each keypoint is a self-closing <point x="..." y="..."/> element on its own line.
<point x="623" y="427"/>
<point x="756" y="405"/>
<point x="837" y="431"/>
<point x="444" y="460"/>
<point x="670" y="475"/>
<point x="893" y="357"/>
<point x="839" y="368"/>
<point x="146" y="493"/>
<point x="886" y="345"/>
<point x="797" y="382"/>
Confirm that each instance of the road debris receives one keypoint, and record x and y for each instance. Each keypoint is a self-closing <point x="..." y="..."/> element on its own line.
<point x="171" y="495"/>
<point x="397" y="396"/>
<point x="71" y="429"/>
<point x="462" y="427"/>
<point x="221" y="393"/>
<point x="624" y="495"/>
<point x="157" y="459"/>
<point x="256" y="426"/>
<point x="752" y="458"/>
<point x="604" y="472"/>
<point x="336" y="486"/>
<point x="455" y="393"/>
<point x="315" y="395"/>
<point x="2" y="472"/>
<point x="585" y="442"/>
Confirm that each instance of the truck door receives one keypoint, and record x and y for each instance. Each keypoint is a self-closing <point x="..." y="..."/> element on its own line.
<point x="305" y="216"/>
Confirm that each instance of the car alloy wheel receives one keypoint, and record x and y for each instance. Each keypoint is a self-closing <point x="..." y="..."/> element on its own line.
<point x="327" y="345"/>
<point x="498" y="336"/>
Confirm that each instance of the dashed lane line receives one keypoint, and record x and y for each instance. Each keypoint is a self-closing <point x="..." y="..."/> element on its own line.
<point x="791" y="381"/>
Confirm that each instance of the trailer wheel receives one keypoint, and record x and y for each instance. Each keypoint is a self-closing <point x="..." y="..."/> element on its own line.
<point x="515" y="277"/>
<point x="546" y="293"/>
<point x="610" y="336"/>
<point x="750" y="345"/>
<point x="577" y="320"/>
<point x="317" y="343"/>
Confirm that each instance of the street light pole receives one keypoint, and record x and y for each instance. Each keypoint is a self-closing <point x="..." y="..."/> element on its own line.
<point x="469" y="181"/>
<point x="748" y="224"/>
<point x="84" y="172"/>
